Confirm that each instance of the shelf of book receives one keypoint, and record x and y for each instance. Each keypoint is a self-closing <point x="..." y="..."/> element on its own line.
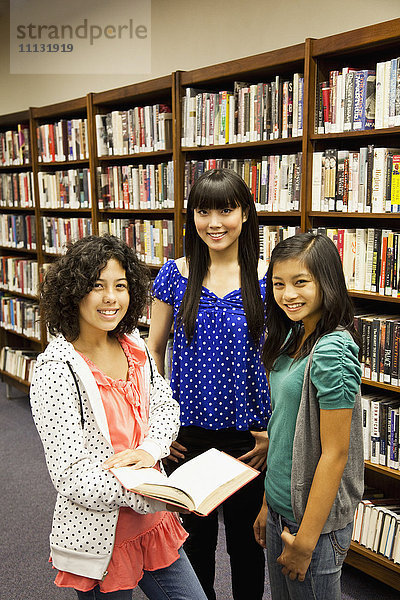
<point x="20" y="335"/>
<point x="356" y="215"/>
<point x="382" y="470"/>
<point x="16" y="382"/>
<point x="25" y="384"/>
<point x="374" y="564"/>
<point x="341" y="129"/>
<point x="383" y="386"/>
<point x="19" y="294"/>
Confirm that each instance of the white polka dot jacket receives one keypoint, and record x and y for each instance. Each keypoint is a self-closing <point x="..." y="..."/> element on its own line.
<point x="71" y="421"/>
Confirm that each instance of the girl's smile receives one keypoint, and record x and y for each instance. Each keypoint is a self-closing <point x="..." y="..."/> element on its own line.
<point x="297" y="293"/>
<point x="219" y="228"/>
<point x="106" y="304"/>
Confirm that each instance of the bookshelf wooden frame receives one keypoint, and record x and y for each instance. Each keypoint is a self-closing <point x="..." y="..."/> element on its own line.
<point x="7" y="336"/>
<point x="360" y="48"/>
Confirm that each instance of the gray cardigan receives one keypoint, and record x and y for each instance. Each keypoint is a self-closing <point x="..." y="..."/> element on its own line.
<point x="307" y="451"/>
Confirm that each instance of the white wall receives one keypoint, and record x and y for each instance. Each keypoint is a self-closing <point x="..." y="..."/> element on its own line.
<point x="187" y="34"/>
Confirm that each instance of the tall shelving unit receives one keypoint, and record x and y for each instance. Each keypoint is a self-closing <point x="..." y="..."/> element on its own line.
<point x="360" y="49"/>
<point x="315" y="58"/>
<point x="152" y="92"/>
<point x="9" y="337"/>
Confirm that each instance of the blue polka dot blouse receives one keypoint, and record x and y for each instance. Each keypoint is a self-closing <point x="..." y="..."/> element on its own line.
<point x="218" y="379"/>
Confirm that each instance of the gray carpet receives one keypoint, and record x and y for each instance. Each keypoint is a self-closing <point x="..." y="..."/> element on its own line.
<point x="25" y="517"/>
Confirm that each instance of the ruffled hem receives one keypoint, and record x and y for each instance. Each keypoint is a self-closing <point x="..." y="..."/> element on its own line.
<point x="158" y="548"/>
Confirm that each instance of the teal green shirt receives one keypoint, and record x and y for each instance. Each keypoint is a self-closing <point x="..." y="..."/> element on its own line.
<point x="336" y="374"/>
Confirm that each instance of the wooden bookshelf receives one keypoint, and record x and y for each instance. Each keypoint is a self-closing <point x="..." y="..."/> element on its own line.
<point x="361" y="49"/>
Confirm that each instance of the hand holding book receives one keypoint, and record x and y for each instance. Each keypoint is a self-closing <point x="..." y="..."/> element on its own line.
<point x="199" y="485"/>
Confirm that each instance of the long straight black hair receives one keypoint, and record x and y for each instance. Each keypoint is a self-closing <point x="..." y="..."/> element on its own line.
<point x="320" y="256"/>
<point x="218" y="189"/>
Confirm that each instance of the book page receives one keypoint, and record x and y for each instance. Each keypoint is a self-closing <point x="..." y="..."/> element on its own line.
<point x="131" y="478"/>
<point x="205" y="473"/>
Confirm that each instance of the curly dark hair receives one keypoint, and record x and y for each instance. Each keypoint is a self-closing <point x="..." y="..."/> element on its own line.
<point x="71" y="277"/>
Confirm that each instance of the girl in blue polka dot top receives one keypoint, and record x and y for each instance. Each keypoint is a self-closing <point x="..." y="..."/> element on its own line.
<point x="214" y="297"/>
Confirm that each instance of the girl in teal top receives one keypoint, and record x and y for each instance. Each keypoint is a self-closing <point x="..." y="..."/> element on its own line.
<point x="315" y="465"/>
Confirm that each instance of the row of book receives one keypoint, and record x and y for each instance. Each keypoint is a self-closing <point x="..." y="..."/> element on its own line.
<point x="65" y="140"/>
<point x="136" y="186"/>
<point x="365" y="181"/>
<point x="58" y="231"/>
<point x="65" y="189"/>
<point x="380" y="413"/>
<point x="138" y="129"/>
<point x="246" y="113"/>
<point x="18" y="231"/>
<point x="274" y="181"/>
<point x="16" y="190"/>
<point x="20" y="315"/>
<point x="271" y="235"/>
<point x="153" y="240"/>
<point x="380" y="343"/>
<point x="377" y="526"/>
<point x="19" y="275"/>
<point x="352" y="99"/>
<point x="370" y="257"/>
<point x="18" y="362"/>
<point x="14" y="146"/>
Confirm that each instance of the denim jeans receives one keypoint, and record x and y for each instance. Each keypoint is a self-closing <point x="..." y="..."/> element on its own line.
<point x="322" y="580"/>
<point x="176" y="582"/>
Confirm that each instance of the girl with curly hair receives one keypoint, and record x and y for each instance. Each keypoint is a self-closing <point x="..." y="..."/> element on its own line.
<point x="99" y="402"/>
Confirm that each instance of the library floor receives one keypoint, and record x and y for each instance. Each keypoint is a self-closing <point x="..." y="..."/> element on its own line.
<point x="26" y="511"/>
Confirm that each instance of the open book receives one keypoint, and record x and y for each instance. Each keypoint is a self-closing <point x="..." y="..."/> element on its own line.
<point x="199" y="485"/>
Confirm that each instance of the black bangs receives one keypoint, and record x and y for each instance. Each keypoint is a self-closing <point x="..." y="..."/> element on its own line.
<point x="217" y="196"/>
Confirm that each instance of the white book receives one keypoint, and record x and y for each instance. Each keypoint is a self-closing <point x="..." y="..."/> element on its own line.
<point x="339" y="104"/>
<point x="365" y="523"/>
<point x="362" y="179"/>
<point x="396" y="545"/>
<point x="385" y="541"/>
<point x="369" y="259"/>
<point x="379" y="99"/>
<point x="360" y="264"/>
<point x="349" y="257"/>
<point x="386" y="94"/>
<point x="379" y="180"/>
<point x="354" y="161"/>
<point x="199" y="485"/>
<point x="375" y="433"/>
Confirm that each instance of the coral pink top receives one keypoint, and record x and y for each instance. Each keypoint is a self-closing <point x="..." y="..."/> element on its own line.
<point x="142" y="542"/>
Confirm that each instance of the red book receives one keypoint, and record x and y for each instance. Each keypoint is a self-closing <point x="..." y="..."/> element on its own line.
<point x="52" y="148"/>
<point x="383" y="262"/>
<point x="340" y="243"/>
<point x="326" y="103"/>
<point x="142" y="144"/>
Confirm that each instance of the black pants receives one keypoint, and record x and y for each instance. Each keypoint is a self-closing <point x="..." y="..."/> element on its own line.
<point x="239" y="513"/>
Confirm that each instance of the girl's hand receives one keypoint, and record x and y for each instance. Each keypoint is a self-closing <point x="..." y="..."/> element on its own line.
<point x="130" y="458"/>
<point x="176" y="452"/>
<point x="295" y="560"/>
<point x="257" y="458"/>
<point x="260" y="525"/>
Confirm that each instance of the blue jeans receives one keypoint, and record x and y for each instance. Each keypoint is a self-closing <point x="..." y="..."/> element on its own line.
<point x="322" y="580"/>
<point x="176" y="582"/>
